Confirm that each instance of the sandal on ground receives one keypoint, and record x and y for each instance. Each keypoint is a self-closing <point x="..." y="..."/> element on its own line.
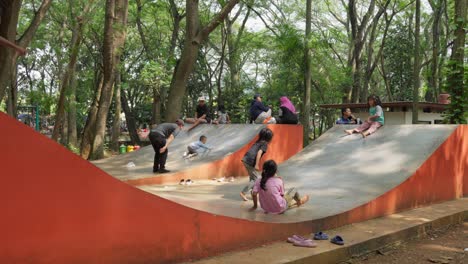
<point x="337" y="240"/>
<point x="320" y="236"/>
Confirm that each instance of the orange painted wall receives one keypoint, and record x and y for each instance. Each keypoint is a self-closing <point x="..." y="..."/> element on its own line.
<point x="58" y="208"/>
<point x="287" y="141"/>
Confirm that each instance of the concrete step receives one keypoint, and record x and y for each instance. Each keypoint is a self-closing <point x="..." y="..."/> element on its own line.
<point x="360" y="238"/>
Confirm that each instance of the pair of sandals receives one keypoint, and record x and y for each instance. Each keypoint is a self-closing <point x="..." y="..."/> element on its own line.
<point x="300" y="241"/>
<point x="338" y="240"/>
<point x="186" y="182"/>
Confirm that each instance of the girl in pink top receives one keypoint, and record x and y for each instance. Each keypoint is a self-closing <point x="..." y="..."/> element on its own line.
<point x="273" y="198"/>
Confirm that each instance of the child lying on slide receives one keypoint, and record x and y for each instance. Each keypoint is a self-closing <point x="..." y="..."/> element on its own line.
<point x="197" y="147"/>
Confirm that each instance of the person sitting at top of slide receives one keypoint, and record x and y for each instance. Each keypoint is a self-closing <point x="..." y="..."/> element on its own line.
<point x="259" y="113"/>
<point x="347" y="117"/>
<point x="223" y="116"/>
<point x="374" y="121"/>
<point x="270" y="188"/>
<point x="202" y="114"/>
<point x="287" y="111"/>
<point x="197" y="147"/>
<point x="161" y="137"/>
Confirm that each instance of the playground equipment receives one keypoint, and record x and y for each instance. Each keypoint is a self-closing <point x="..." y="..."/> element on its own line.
<point x="229" y="142"/>
<point x="29" y="115"/>
<point x="62" y="209"/>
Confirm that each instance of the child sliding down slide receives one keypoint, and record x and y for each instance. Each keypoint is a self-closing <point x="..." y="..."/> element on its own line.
<point x="270" y="190"/>
<point x="197" y="148"/>
<point x="375" y="120"/>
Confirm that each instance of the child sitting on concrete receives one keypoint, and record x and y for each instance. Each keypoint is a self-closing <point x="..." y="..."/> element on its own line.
<point x="197" y="147"/>
<point x="270" y="189"/>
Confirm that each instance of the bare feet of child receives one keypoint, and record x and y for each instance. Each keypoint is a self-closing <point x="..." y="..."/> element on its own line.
<point x="243" y="196"/>
<point x="349" y="131"/>
<point x="303" y="200"/>
<point x="365" y="134"/>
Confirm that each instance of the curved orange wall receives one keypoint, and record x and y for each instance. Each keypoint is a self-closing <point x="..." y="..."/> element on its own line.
<point x="58" y="208"/>
<point x="287" y="141"/>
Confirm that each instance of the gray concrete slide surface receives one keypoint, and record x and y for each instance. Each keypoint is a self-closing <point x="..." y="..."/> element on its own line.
<point x="224" y="139"/>
<point x="338" y="172"/>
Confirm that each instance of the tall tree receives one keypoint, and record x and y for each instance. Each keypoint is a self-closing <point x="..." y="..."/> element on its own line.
<point x="456" y="81"/>
<point x="438" y="7"/>
<point x="8" y="30"/>
<point x="114" y="39"/>
<point x="417" y="62"/>
<point x="307" y="72"/>
<point x="195" y="35"/>
<point x="68" y="75"/>
<point x="117" y="110"/>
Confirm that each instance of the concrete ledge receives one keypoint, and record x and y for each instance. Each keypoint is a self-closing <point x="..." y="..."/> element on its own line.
<point x="360" y="238"/>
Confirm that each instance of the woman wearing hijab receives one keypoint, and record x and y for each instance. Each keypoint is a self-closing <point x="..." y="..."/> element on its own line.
<point x="287" y="112"/>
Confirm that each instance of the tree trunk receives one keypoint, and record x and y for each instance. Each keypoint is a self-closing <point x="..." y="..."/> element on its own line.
<point x="130" y="119"/>
<point x="114" y="39"/>
<point x="194" y="36"/>
<point x="8" y="30"/>
<point x="13" y="93"/>
<point x="417" y="62"/>
<point x="8" y="25"/>
<point x="455" y="80"/>
<point x="357" y="40"/>
<point x="433" y="91"/>
<point x="90" y="126"/>
<point x="233" y="56"/>
<point x="156" y="108"/>
<point x="67" y="76"/>
<point x="72" y="130"/>
<point x="307" y="73"/>
<point x="64" y="131"/>
<point x="372" y="61"/>
<point x="118" y="110"/>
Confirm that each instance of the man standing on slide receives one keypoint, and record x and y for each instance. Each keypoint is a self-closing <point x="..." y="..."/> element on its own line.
<point x="161" y="137"/>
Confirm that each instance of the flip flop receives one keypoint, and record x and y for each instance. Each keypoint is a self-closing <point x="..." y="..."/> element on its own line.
<point x="296" y="238"/>
<point x="320" y="236"/>
<point x="305" y="243"/>
<point x="337" y="240"/>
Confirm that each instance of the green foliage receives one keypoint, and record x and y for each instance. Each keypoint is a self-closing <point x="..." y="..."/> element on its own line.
<point x="398" y="52"/>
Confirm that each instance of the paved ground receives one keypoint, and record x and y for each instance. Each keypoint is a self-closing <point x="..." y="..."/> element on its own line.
<point x="338" y="172"/>
<point x="442" y="246"/>
<point x="224" y="139"/>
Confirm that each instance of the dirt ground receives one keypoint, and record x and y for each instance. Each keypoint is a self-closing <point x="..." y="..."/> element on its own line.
<point x="446" y="246"/>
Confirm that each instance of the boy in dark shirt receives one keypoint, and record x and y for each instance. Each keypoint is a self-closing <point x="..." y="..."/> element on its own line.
<point x="160" y="138"/>
<point x="202" y="114"/>
<point x="252" y="158"/>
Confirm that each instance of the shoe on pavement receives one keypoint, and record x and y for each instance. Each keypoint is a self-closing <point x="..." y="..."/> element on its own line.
<point x="163" y="171"/>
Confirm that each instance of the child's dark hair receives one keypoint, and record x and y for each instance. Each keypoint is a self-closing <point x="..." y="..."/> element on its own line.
<point x="265" y="135"/>
<point x="221" y="108"/>
<point x="269" y="170"/>
<point x="202" y="137"/>
<point x="343" y="110"/>
<point x="376" y="100"/>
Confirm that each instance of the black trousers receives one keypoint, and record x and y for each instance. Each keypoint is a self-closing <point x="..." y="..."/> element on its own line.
<point x="158" y="141"/>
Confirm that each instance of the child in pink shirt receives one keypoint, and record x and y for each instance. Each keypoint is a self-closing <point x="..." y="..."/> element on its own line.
<point x="270" y="190"/>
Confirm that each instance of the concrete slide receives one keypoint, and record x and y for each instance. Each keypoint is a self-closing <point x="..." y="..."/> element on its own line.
<point x="59" y="208"/>
<point x="229" y="142"/>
